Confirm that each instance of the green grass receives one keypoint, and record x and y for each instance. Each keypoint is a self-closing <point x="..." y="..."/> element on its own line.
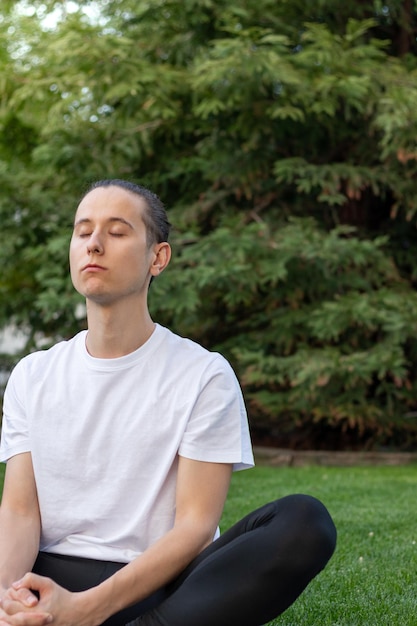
<point x="372" y="577"/>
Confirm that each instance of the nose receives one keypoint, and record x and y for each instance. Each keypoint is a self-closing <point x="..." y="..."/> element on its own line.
<point x="94" y="245"/>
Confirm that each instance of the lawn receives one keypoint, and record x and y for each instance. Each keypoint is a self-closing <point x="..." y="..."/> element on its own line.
<point x="371" y="579"/>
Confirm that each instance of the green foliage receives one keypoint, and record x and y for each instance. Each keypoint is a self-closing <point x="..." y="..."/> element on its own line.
<point x="320" y="326"/>
<point x="281" y="136"/>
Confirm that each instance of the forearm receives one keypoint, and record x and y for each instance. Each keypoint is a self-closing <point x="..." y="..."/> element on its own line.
<point x="19" y="545"/>
<point x="160" y="564"/>
<point x="201" y="493"/>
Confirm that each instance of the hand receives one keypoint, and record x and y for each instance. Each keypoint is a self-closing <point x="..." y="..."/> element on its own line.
<point x="21" y="599"/>
<point x="22" y="608"/>
<point x="22" y="612"/>
<point x="24" y="619"/>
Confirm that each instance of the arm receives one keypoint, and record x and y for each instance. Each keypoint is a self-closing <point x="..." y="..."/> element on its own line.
<point x="201" y="493"/>
<point x="19" y="521"/>
<point x="19" y="532"/>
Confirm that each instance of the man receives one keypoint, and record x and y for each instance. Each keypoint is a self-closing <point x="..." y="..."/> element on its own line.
<point x="120" y="445"/>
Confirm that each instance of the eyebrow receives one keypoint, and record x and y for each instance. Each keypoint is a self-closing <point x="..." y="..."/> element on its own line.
<point x="86" y="220"/>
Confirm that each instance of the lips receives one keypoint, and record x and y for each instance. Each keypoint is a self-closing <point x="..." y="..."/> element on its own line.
<point x="92" y="267"/>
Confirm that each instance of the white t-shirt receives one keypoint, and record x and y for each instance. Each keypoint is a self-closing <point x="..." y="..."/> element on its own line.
<point x="105" y="435"/>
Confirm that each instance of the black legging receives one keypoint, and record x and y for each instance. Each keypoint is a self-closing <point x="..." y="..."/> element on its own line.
<point x="248" y="576"/>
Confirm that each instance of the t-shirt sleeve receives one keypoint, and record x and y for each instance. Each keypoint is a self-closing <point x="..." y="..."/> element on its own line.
<point x="14" y="434"/>
<point x="218" y="430"/>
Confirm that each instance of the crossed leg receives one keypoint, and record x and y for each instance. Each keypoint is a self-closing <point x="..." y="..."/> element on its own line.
<point x="254" y="571"/>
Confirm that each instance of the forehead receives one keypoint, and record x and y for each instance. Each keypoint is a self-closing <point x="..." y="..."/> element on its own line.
<point x="110" y="202"/>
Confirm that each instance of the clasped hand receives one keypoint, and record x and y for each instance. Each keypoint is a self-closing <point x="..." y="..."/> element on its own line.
<point x="19" y="606"/>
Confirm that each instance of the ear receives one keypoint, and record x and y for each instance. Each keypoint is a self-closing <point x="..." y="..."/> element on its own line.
<point x="162" y="256"/>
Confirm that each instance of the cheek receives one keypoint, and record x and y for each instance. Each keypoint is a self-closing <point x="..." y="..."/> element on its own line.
<point x="74" y="251"/>
<point x="134" y="258"/>
<point x="71" y="253"/>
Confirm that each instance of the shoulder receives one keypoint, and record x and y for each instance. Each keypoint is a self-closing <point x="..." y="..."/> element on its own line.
<point x="188" y="353"/>
<point x="38" y="361"/>
<point x="171" y="340"/>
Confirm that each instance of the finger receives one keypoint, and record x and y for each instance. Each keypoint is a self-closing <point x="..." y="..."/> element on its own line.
<point x="25" y="596"/>
<point x="30" y="581"/>
<point x="11" y="607"/>
<point x="26" y="619"/>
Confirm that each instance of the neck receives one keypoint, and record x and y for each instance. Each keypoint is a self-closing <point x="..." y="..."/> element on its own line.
<point x="116" y="331"/>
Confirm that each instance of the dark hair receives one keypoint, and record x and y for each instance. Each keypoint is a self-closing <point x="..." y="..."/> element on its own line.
<point x="155" y="217"/>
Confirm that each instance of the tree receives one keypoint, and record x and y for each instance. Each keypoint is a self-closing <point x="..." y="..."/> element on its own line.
<point x="282" y="137"/>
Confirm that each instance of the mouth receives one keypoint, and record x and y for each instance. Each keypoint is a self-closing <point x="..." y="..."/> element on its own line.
<point x="92" y="267"/>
